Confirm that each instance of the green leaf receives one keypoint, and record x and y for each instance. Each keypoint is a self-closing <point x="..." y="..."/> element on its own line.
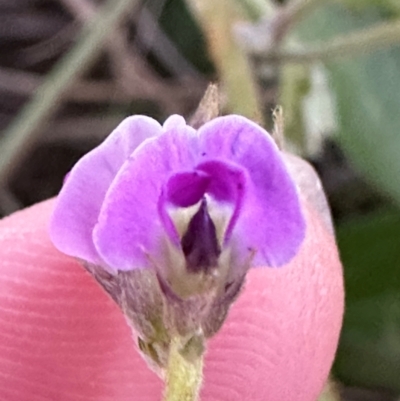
<point x="369" y="351"/>
<point x="367" y="91"/>
<point x="370" y="251"/>
<point x="181" y="27"/>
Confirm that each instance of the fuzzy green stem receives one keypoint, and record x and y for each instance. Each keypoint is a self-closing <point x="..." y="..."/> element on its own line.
<point x="183" y="375"/>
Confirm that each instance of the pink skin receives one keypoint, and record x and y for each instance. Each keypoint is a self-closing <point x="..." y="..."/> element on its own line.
<point x="62" y="338"/>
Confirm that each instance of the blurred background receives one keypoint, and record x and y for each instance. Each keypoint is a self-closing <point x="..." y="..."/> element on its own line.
<point x="71" y="70"/>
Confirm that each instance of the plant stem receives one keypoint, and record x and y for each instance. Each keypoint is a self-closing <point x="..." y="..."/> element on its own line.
<point x="256" y="9"/>
<point x="183" y="376"/>
<point x="24" y="130"/>
<point x="297" y="9"/>
<point x="290" y="15"/>
<point x="217" y="19"/>
<point x="362" y="42"/>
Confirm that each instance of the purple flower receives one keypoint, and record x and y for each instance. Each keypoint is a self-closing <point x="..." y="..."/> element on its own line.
<point x="152" y="196"/>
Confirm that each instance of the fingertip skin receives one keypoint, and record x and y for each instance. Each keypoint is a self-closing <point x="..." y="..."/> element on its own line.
<point x="280" y="338"/>
<point x="62" y="338"/>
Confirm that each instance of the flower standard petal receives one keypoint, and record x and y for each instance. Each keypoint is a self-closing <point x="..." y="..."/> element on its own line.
<point x="82" y="195"/>
<point x="129" y="229"/>
<point x="271" y="222"/>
